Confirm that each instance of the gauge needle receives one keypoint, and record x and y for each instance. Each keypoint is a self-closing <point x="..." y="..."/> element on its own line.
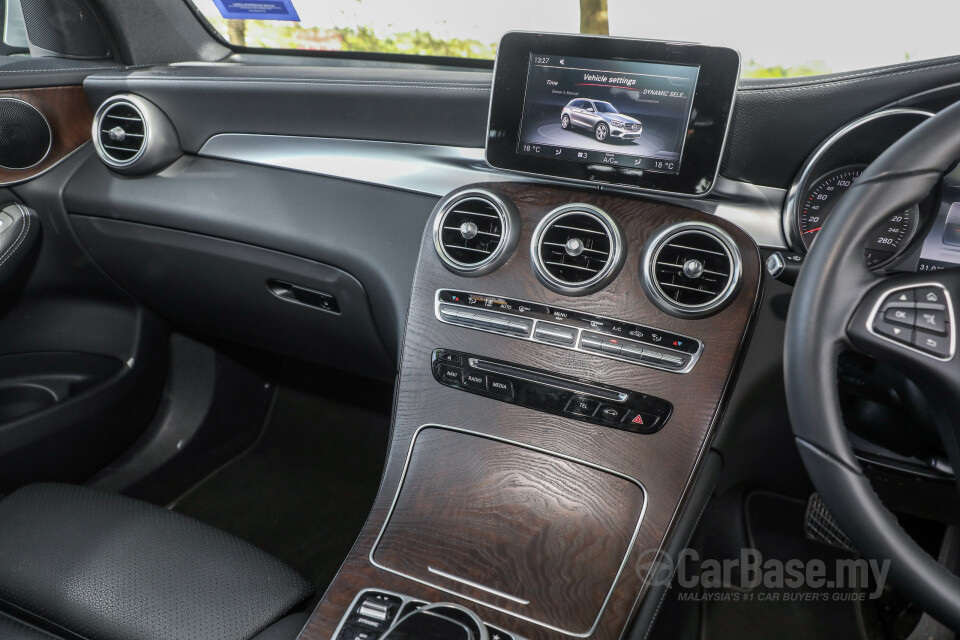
<point x="812" y="230"/>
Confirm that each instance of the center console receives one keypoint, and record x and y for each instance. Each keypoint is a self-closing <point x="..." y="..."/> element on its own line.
<point x="567" y="355"/>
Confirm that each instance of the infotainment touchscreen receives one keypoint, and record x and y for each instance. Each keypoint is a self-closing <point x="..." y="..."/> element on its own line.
<point x="615" y="112"/>
<point x="638" y="114"/>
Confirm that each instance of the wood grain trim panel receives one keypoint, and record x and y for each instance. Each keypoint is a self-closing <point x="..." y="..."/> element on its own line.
<point x="70" y="118"/>
<point x="522" y="530"/>
<point x="665" y="462"/>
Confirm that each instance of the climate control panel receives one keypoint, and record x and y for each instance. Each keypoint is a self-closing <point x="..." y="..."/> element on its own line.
<point x="568" y="329"/>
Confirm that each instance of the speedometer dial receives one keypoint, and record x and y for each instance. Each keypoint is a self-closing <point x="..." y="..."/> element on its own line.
<point x="886" y="241"/>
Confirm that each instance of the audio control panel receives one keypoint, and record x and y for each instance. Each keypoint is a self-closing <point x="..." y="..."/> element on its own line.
<point x="551" y="393"/>
<point x="568" y="329"/>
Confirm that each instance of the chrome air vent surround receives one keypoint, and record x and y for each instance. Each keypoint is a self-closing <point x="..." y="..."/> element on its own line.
<point x="691" y="269"/>
<point x="120" y="133"/>
<point x="132" y="135"/>
<point x="577" y="249"/>
<point x="475" y="232"/>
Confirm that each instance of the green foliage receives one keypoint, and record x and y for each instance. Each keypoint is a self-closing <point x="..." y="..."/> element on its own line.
<point x="754" y="70"/>
<point x="417" y="42"/>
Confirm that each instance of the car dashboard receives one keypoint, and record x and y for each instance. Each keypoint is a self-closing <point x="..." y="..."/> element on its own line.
<point x="563" y="393"/>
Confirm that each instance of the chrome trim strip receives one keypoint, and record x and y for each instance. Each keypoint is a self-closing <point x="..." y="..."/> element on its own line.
<point x="623" y="564"/>
<point x="694" y="357"/>
<point x="790" y="213"/>
<point x="437" y="170"/>
<point x="886" y="294"/>
<point x="477" y="585"/>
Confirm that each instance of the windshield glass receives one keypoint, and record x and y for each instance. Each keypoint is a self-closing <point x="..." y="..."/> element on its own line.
<point x="774" y="39"/>
<point x="605" y="107"/>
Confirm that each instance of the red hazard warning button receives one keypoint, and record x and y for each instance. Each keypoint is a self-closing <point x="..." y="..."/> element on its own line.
<point x="640" y="420"/>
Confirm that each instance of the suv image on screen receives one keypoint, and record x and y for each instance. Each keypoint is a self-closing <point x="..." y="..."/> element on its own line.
<point x="602" y="118"/>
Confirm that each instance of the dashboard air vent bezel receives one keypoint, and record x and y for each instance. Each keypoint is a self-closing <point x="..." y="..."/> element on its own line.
<point x="650" y="261"/>
<point x="159" y="142"/>
<point x="509" y="231"/>
<point x="547" y="271"/>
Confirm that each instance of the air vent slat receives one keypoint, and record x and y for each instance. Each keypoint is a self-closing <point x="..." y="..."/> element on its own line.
<point x="594" y="251"/>
<point x="471" y="232"/>
<point x="572" y="266"/>
<point x="691" y="270"/>
<point x="599" y="232"/>
<point x="476" y="213"/>
<point x="475" y="250"/>
<point x="122" y="133"/>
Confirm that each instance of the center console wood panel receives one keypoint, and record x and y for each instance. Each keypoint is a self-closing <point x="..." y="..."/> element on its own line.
<point x="664" y="462"/>
<point x="555" y="532"/>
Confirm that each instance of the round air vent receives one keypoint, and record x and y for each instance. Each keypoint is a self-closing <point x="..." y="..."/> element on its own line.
<point x="132" y="135"/>
<point x="691" y="269"/>
<point x="122" y="133"/>
<point x="475" y="232"/>
<point x="577" y="249"/>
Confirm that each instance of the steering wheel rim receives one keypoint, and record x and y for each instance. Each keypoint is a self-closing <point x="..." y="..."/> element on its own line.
<point x="831" y="307"/>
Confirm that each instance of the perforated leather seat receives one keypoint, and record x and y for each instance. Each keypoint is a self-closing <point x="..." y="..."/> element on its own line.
<point x="80" y="563"/>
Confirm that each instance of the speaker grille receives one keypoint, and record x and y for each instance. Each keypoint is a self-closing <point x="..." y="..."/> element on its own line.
<point x="24" y="135"/>
<point x="68" y="28"/>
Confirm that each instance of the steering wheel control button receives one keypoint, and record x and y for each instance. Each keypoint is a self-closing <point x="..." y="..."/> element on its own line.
<point x="895" y="331"/>
<point x="933" y="344"/>
<point x="500" y="386"/>
<point x="931" y="320"/>
<point x="900" y="316"/>
<point x="931" y="295"/>
<point x="611" y="412"/>
<point x="918" y="317"/>
<point x="901" y="297"/>
<point x="581" y="406"/>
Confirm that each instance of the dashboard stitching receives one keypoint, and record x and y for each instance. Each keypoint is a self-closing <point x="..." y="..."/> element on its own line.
<point x="41" y="71"/>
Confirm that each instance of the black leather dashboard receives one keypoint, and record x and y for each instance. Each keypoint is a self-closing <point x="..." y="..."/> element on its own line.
<point x="450" y="107"/>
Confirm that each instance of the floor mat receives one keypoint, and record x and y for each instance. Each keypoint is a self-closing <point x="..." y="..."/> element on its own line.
<point x="303" y="491"/>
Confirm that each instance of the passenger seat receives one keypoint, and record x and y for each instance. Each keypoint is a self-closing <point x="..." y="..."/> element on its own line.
<point x="75" y="562"/>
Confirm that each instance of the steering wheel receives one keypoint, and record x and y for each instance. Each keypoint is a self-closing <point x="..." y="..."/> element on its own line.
<point x="907" y="321"/>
